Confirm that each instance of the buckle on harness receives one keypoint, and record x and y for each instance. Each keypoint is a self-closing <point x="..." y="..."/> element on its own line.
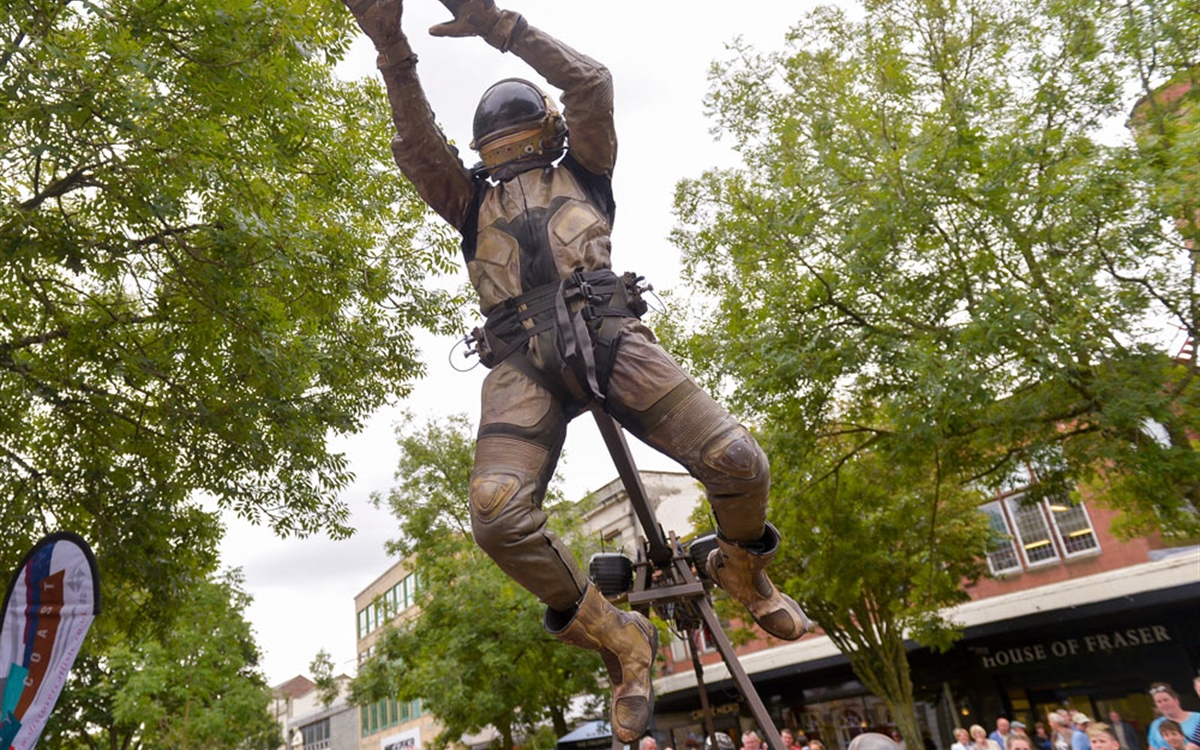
<point x="477" y="343"/>
<point x="586" y="290"/>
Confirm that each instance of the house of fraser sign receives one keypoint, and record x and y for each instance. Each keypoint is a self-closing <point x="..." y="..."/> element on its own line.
<point x="1104" y="642"/>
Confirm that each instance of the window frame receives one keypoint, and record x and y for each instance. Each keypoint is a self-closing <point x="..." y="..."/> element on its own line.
<point x="1087" y="519"/>
<point x="1013" y="504"/>
<point x="1010" y="541"/>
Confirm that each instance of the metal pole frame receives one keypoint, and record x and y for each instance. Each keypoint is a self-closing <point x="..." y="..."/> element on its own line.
<point x="665" y="581"/>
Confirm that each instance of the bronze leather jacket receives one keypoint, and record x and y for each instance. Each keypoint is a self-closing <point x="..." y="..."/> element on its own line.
<point x="540" y="225"/>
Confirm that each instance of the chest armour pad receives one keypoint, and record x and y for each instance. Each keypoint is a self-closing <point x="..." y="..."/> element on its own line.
<point x="535" y="229"/>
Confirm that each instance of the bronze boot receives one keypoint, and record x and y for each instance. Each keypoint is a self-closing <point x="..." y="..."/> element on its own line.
<point x="740" y="569"/>
<point x="627" y="642"/>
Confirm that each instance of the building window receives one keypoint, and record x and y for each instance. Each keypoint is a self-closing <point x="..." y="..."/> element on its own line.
<point x="1074" y="527"/>
<point x="316" y="735"/>
<point x="1002" y="558"/>
<point x="1036" y="534"/>
<point x="704" y="642"/>
<point x="386" y="714"/>
<point x="385" y="608"/>
<point x="1033" y="532"/>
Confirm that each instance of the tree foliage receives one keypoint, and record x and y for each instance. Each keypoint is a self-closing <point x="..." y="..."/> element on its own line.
<point x="945" y="262"/>
<point x="936" y="216"/>
<point x="208" y="267"/>
<point x="476" y="655"/>
<point x="193" y="685"/>
<point x="328" y="687"/>
<point x="876" y="552"/>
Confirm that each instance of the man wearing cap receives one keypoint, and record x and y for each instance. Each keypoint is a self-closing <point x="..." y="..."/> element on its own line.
<point x="723" y="742"/>
<point x="1079" y="739"/>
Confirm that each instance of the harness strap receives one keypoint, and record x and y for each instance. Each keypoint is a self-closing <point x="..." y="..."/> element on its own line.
<point x="573" y="335"/>
<point x="585" y="335"/>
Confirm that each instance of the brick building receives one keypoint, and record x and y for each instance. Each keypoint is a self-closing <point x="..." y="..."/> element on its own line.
<point x="1072" y="617"/>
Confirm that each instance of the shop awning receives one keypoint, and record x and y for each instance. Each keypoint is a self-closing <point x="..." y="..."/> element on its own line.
<point x="592" y="735"/>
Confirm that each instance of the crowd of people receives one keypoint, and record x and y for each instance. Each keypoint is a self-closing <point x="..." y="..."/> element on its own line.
<point x="1175" y="729"/>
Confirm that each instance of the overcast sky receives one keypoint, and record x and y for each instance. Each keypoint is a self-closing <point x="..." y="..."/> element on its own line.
<point x="659" y="54"/>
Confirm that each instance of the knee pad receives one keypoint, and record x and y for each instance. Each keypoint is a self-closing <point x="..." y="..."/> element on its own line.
<point x="736" y="454"/>
<point x="738" y="480"/>
<point x="506" y="474"/>
<point x="490" y="492"/>
<point x="737" y="460"/>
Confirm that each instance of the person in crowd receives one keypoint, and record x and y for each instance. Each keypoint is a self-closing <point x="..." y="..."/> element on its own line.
<point x="1172" y="734"/>
<point x="722" y="741"/>
<point x="962" y="740"/>
<point x="1102" y="737"/>
<point x="1041" y="738"/>
<point x="898" y="739"/>
<point x="751" y="741"/>
<point x="1020" y="742"/>
<point x="1126" y="733"/>
<point x="815" y="744"/>
<point x="648" y="743"/>
<point x="980" y="740"/>
<point x="1017" y="728"/>
<point x="872" y="741"/>
<point x="1166" y="703"/>
<point x="1194" y="736"/>
<point x="789" y="740"/>
<point x="1061" y="731"/>
<point x="1000" y="734"/>
<point x="1079" y="738"/>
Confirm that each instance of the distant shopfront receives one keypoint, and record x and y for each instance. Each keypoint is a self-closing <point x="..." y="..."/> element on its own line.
<point x="1089" y="645"/>
<point x="1092" y="658"/>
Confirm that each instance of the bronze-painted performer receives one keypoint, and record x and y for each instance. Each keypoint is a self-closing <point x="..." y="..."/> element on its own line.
<point x="563" y="331"/>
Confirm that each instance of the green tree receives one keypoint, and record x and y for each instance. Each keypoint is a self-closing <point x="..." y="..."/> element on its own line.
<point x="944" y="264"/>
<point x="208" y="268"/>
<point x="932" y="215"/>
<point x="322" y="667"/>
<point x="476" y="654"/>
<point x="195" y="684"/>
<point x="876" y="551"/>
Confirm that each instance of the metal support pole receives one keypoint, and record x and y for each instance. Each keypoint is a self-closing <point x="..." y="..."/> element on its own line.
<point x="665" y="582"/>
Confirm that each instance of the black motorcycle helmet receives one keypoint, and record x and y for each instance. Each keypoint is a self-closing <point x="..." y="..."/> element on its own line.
<point x="515" y="123"/>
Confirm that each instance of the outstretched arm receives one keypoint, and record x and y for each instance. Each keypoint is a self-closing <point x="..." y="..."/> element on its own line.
<point x="419" y="147"/>
<point x="586" y="84"/>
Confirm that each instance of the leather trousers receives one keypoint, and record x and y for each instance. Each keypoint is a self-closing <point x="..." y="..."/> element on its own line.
<point x="521" y="433"/>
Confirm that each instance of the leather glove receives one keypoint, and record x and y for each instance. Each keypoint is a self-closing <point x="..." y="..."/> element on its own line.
<point x="379" y="20"/>
<point x="479" y="18"/>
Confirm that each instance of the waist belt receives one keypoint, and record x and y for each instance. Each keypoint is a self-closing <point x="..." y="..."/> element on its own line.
<point x="584" y="311"/>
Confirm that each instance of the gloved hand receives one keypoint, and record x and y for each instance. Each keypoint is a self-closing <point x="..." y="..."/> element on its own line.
<point x="379" y="20"/>
<point x="478" y="18"/>
<point x="471" y="18"/>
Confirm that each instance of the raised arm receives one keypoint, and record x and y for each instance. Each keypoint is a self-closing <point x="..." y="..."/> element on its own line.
<point x="419" y="147"/>
<point x="586" y="84"/>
